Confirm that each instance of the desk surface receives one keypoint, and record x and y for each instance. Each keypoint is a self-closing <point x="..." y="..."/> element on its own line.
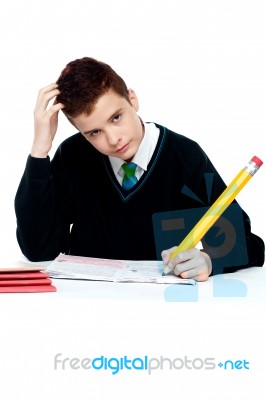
<point x="247" y="285"/>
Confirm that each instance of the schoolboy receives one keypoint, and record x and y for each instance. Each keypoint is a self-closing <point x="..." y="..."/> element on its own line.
<point x="83" y="203"/>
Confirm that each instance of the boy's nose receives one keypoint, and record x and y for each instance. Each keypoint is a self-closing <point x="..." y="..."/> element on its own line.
<point x="113" y="137"/>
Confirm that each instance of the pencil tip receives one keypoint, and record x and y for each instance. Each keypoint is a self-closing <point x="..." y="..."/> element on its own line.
<point x="166" y="271"/>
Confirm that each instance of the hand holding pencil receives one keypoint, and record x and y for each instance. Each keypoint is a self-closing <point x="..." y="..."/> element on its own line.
<point x="184" y="249"/>
<point x="188" y="264"/>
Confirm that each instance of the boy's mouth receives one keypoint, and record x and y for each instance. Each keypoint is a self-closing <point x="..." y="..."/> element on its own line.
<point x="123" y="149"/>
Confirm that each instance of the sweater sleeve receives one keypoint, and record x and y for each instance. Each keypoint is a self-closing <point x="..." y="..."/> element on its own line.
<point x="43" y="210"/>
<point x="254" y="248"/>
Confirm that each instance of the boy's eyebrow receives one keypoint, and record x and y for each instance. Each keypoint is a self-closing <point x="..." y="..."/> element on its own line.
<point x="109" y="119"/>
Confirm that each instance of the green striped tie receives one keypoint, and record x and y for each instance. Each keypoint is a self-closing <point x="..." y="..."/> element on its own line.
<point x="129" y="179"/>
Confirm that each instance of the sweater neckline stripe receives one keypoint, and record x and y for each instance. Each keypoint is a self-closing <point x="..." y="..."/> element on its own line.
<point x="126" y="195"/>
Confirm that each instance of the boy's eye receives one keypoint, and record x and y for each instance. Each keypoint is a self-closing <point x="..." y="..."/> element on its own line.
<point x="95" y="133"/>
<point x="117" y="117"/>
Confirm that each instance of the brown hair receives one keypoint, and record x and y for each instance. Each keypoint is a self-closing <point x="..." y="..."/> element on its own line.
<point x="83" y="81"/>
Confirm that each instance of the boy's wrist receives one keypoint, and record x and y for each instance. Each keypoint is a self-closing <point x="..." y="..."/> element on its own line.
<point x="37" y="153"/>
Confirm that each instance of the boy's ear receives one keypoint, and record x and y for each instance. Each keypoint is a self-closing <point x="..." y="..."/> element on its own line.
<point x="133" y="99"/>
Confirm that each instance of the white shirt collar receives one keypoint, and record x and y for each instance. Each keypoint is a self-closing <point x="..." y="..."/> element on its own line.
<point x="145" y="150"/>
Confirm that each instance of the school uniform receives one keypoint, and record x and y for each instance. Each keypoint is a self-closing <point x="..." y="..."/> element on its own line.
<point x="75" y="203"/>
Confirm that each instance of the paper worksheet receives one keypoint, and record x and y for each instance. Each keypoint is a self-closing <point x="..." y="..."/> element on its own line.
<point x="75" y="267"/>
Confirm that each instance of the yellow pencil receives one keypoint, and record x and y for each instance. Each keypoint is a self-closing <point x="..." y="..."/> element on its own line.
<point x="218" y="207"/>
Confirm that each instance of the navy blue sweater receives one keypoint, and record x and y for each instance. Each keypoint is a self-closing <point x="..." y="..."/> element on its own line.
<point x="74" y="204"/>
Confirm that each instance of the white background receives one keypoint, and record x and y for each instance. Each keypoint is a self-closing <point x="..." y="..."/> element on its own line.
<point x="198" y="67"/>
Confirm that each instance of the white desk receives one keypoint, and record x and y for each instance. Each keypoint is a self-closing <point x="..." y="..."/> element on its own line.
<point x="247" y="285"/>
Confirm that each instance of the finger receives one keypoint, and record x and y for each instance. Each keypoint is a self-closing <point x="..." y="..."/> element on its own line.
<point x="165" y="254"/>
<point x="183" y="261"/>
<point x="185" y="255"/>
<point x="183" y="267"/>
<point x="54" y="109"/>
<point x="44" y="98"/>
<point x="46" y="115"/>
<point x="45" y="95"/>
<point x="187" y="274"/>
<point x="193" y="259"/>
<point x="198" y="274"/>
<point x="48" y="88"/>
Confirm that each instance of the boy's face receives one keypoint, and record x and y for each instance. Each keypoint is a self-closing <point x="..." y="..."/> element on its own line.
<point x="113" y="127"/>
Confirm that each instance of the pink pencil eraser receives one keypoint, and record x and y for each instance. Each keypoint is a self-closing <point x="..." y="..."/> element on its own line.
<point x="257" y="161"/>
